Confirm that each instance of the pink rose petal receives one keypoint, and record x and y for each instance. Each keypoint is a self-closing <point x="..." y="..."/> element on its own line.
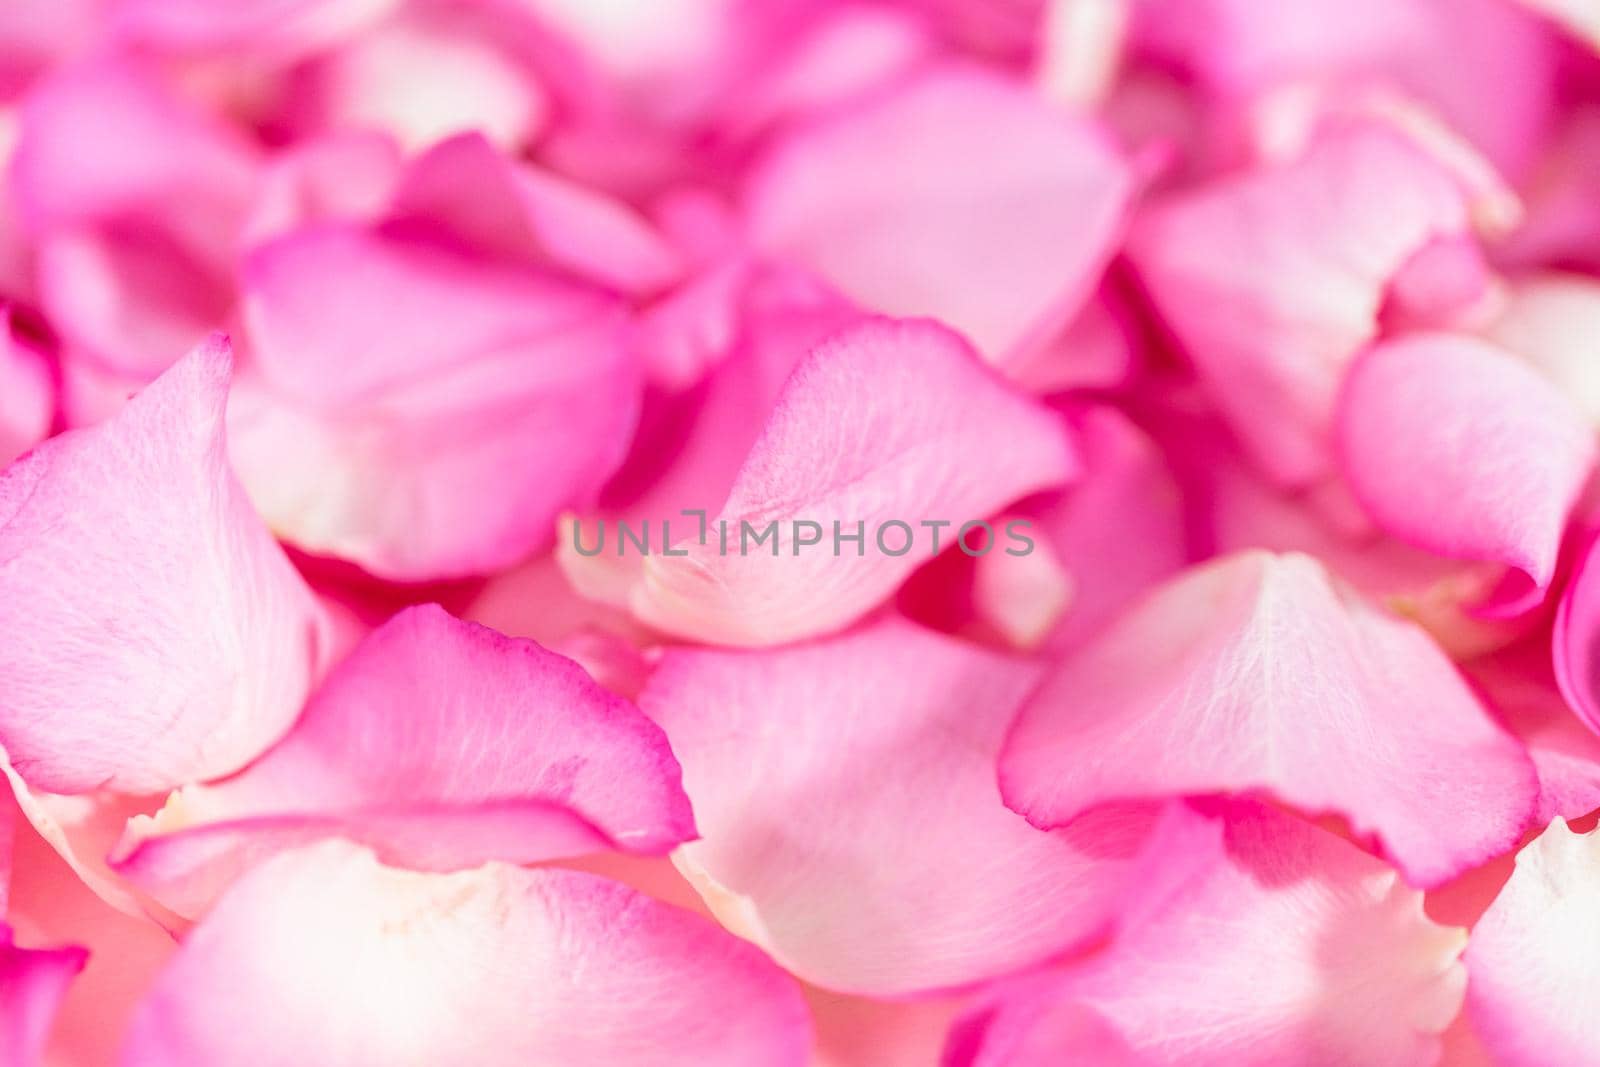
<point x="154" y="633"/>
<point x="886" y="422"/>
<point x="1455" y="446"/>
<point x="498" y="965"/>
<point x="850" y="822"/>
<point x="1273" y="943"/>
<point x="405" y="383"/>
<point x="1533" y="956"/>
<point x="440" y="744"/>
<point x="1273" y="278"/>
<point x="524" y="212"/>
<point x="956" y="195"/>
<point x="1259" y="672"/>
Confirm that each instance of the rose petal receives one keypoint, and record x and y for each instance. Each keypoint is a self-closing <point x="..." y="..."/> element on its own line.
<point x="106" y="139"/>
<point x="441" y="744"/>
<point x="1258" y="672"/>
<point x="1519" y="684"/>
<point x="1273" y="278"/>
<point x="1277" y="943"/>
<point x="850" y="823"/>
<point x="1456" y="447"/>
<point x="916" y="431"/>
<point x="499" y="965"/>
<point x="1117" y="533"/>
<point x="521" y="211"/>
<point x="154" y="633"/>
<point x="405" y="383"/>
<point x="1532" y="958"/>
<point x="426" y="74"/>
<point x="1545" y="321"/>
<point x="957" y="195"/>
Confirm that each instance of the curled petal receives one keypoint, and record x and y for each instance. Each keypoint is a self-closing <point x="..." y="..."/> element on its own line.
<point x="1259" y="672"/>
<point x="898" y="200"/>
<point x="495" y="966"/>
<point x="1455" y="446"/>
<point x="1533" y="956"/>
<point x="915" y="431"/>
<point x="154" y="634"/>
<point x="441" y="744"/>
<point x="850" y="822"/>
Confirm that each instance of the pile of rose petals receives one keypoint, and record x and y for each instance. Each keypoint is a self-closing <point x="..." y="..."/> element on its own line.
<point x="334" y="332"/>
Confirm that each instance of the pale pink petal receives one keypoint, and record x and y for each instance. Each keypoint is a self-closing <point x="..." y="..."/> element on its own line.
<point x="154" y="633"/>
<point x="1534" y="955"/>
<point x="521" y="211"/>
<point x="1273" y="279"/>
<point x="441" y="744"/>
<point x="32" y="983"/>
<point x="1547" y="320"/>
<point x="494" y="966"/>
<point x="403" y="384"/>
<point x="850" y="822"/>
<point x="888" y="422"/>
<point x="1277" y="943"/>
<point x="958" y="196"/>
<point x="428" y="73"/>
<point x="1455" y="446"/>
<point x="1259" y="672"/>
<point x="27" y="395"/>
